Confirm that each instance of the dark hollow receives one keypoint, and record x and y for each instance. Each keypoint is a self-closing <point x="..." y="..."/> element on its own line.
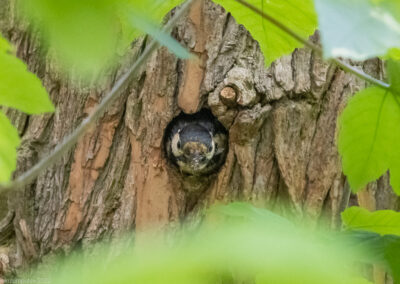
<point x="191" y="125"/>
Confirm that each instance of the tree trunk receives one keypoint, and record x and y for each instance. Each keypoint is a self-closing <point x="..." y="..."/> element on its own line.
<point x="281" y="122"/>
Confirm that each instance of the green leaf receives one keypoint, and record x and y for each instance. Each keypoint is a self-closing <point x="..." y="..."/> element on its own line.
<point x="154" y="9"/>
<point x="225" y="253"/>
<point x="154" y="31"/>
<point x="384" y="222"/>
<point x="9" y="141"/>
<point x="393" y="69"/>
<point x="19" y="88"/>
<point x="392" y="253"/>
<point x="87" y="35"/>
<point x="296" y="15"/>
<point x="358" y="29"/>
<point x="372" y="243"/>
<point x="384" y="248"/>
<point x="393" y="54"/>
<point x="245" y="212"/>
<point x="82" y="34"/>
<point x="369" y="133"/>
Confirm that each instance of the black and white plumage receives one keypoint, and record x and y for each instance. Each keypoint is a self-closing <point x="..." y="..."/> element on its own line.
<point x="196" y="143"/>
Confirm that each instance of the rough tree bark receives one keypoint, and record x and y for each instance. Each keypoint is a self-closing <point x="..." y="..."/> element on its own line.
<point x="281" y="121"/>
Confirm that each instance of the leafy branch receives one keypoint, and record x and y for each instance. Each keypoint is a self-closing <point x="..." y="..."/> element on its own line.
<point x="369" y="126"/>
<point x="25" y="178"/>
<point x="345" y="66"/>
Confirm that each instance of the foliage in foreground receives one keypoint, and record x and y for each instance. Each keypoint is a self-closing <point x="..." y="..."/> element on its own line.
<point x="21" y="90"/>
<point x="383" y="241"/>
<point x="234" y="242"/>
<point x="369" y="137"/>
<point x="274" y="43"/>
<point x="240" y="243"/>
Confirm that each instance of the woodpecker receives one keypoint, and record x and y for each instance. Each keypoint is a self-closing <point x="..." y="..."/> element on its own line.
<point x="196" y="143"/>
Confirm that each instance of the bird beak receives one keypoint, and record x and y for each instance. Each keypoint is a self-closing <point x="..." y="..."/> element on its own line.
<point x="197" y="160"/>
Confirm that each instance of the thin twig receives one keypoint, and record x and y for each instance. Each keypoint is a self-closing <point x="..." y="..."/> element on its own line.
<point x="345" y="66"/>
<point x="70" y="140"/>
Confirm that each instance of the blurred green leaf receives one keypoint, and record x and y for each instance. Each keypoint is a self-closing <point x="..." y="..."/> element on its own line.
<point x="246" y="252"/>
<point x="371" y="243"/>
<point x="9" y="141"/>
<point x="274" y="43"/>
<point x="83" y="34"/>
<point x="369" y="133"/>
<point x="19" y="88"/>
<point x="383" y="222"/>
<point x="155" y="32"/>
<point x="393" y="69"/>
<point x="358" y="29"/>
<point x="155" y="9"/>
<point x="383" y="248"/>
<point x="86" y="35"/>
<point x="392" y="254"/>
<point x="247" y="213"/>
<point x="393" y="53"/>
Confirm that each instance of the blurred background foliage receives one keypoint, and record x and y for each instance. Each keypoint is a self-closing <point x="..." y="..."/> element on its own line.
<point x="234" y="243"/>
<point x="88" y="36"/>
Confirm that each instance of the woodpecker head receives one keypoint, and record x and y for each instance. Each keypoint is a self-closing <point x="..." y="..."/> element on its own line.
<point x="196" y="143"/>
<point x="193" y="148"/>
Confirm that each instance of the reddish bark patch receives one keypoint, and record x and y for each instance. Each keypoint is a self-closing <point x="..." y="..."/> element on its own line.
<point x="189" y="95"/>
<point x="90" y="156"/>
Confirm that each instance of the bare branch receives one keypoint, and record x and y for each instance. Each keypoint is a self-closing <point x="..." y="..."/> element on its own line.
<point x="71" y="139"/>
